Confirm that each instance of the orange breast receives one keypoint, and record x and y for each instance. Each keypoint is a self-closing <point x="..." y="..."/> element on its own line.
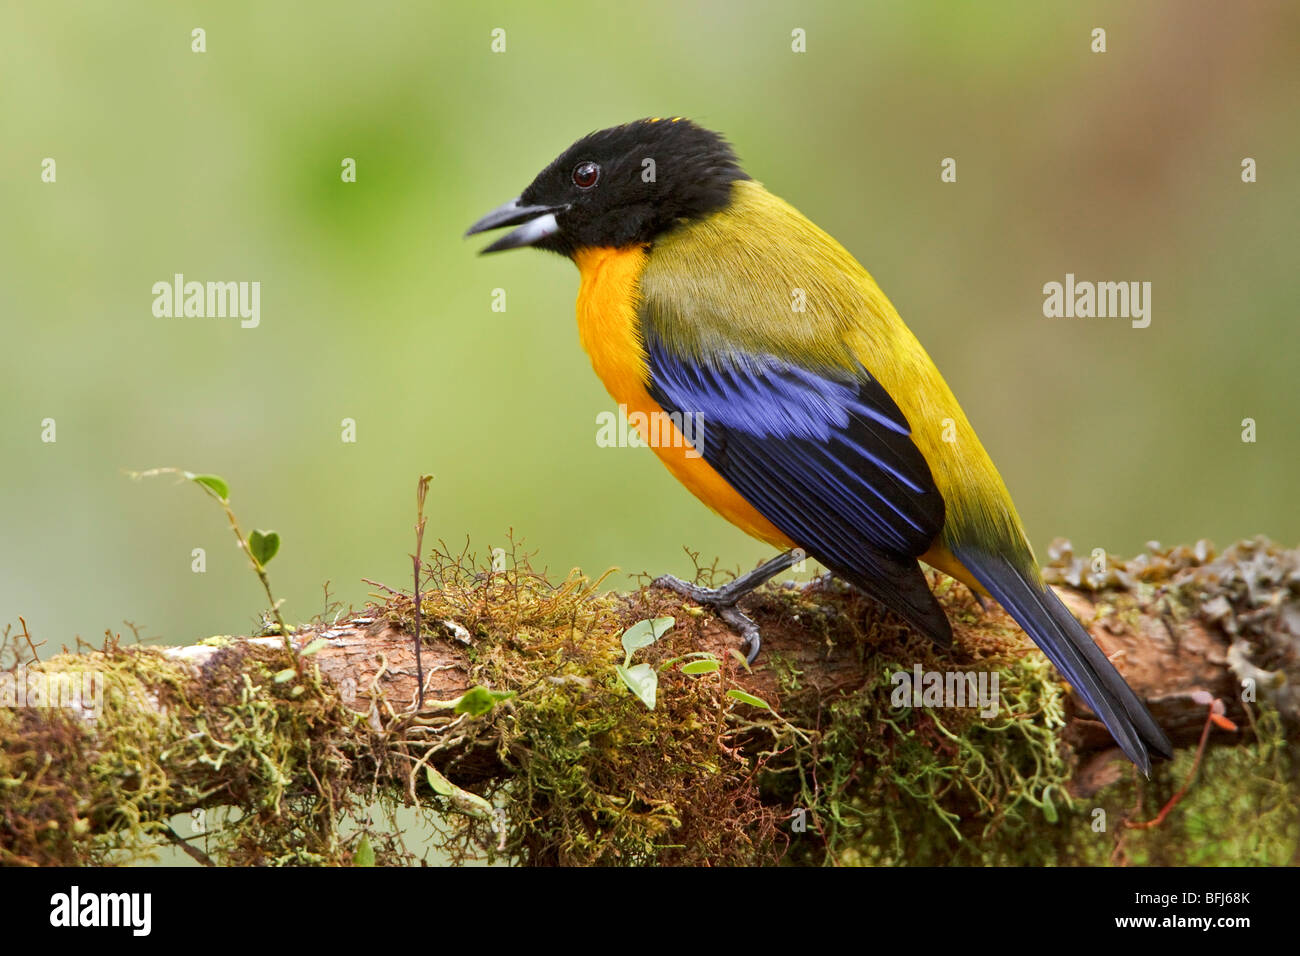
<point x="607" y="326"/>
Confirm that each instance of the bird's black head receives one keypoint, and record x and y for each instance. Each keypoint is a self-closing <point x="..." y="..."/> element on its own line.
<point x="619" y="186"/>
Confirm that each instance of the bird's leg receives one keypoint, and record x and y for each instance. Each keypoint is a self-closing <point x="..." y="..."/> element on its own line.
<point x="723" y="600"/>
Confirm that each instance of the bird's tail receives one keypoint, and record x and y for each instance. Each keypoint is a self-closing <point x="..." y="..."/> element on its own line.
<point x="1063" y="639"/>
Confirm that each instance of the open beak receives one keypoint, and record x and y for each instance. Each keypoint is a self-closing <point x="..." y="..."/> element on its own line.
<point x="538" y="222"/>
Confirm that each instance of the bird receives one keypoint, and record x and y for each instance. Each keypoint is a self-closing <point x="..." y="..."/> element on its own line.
<point x="820" y="425"/>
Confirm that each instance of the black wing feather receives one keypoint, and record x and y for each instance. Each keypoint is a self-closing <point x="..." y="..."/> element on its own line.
<point x="827" y="457"/>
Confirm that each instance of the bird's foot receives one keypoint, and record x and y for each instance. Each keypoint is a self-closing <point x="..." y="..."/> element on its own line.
<point x="723" y="600"/>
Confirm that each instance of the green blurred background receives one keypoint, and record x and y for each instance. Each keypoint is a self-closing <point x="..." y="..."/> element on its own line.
<point x="225" y="166"/>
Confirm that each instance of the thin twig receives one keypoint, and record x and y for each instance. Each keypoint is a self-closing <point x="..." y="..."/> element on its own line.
<point x="421" y="489"/>
<point x="192" y="851"/>
<point x="29" y="639"/>
<point x="1191" y="774"/>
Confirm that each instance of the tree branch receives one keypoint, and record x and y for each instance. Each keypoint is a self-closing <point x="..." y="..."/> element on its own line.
<point x="228" y="723"/>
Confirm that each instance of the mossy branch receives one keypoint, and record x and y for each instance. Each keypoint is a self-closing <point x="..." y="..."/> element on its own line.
<point x="530" y="746"/>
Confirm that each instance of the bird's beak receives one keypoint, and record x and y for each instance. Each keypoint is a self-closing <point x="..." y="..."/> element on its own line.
<point x="538" y="223"/>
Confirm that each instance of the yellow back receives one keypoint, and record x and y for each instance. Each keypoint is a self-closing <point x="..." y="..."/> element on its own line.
<point x="744" y="272"/>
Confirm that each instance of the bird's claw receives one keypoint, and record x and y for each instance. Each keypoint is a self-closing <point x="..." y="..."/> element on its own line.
<point x="723" y="601"/>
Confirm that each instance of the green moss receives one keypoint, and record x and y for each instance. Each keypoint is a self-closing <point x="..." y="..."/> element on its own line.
<point x="580" y="772"/>
<point x="104" y="791"/>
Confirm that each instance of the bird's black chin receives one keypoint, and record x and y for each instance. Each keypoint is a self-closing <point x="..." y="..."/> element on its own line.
<point x="536" y="226"/>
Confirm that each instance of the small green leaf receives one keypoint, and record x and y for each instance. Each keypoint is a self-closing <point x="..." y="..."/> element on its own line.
<point x="479" y="700"/>
<point x="750" y="699"/>
<point x="286" y="675"/>
<point x="440" y="784"/>
<point x="661" y="626"/>
<point x="213" y="483"/>
<point x="365" y="855"/>
<point x="314" y="646"/>
<point x="701" y="667"/>
<point x="263" y="545"/>
<point x="644" y="633"/>
<point x="461" y="800"/>
<point x="1049" y="809"/>
<point x="642" y="680"/>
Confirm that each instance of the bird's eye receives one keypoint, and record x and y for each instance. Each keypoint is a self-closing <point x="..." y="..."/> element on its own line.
<point x="585" y="175"/>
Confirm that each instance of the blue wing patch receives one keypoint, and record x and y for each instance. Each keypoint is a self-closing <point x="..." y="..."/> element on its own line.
<point x="826" y="457"/>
